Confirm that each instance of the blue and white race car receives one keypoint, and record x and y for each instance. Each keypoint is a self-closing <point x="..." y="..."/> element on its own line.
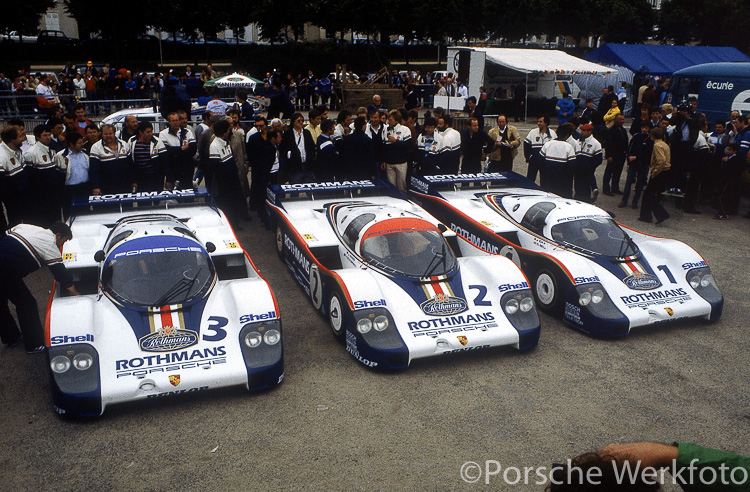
<point x="391" y="279"/>
<point x="170" y="303"/>
<point x="599" y="276"/>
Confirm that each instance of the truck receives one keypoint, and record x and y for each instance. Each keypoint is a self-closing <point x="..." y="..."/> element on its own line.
<point x="719" y="87"/>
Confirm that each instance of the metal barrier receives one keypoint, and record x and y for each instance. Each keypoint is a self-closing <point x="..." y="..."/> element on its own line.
<point x="26" y="106"/>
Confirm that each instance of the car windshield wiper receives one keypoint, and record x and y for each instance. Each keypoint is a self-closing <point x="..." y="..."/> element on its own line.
<point x="438" y="256"/>
<point x="627" y="241"/>
<point x="183" y="286"/>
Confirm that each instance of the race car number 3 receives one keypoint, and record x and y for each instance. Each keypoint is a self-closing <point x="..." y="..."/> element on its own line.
<point x="217" y="326"/>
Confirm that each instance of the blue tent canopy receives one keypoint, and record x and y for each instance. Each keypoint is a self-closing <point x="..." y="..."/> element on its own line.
<point x="659" y="59"/>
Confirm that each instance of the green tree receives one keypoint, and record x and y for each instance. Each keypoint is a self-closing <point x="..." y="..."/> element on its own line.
<point x="23" y="17"/>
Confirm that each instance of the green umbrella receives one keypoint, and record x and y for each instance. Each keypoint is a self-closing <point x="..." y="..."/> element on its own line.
<point x="234" y="80"/>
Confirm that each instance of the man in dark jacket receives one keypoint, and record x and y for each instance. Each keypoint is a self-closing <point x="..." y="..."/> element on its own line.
<point x="299" y="151"/>
<point x="616" y="149"/>
<point x="358" y="153"/>
<point x="475" y="145"/>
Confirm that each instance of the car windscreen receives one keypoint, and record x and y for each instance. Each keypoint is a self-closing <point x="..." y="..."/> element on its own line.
<point x="409" y="252"/>
<point x="158" y="279"/>
<point x="600" y="235"/>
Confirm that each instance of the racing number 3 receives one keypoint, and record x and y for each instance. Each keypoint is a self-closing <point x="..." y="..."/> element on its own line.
<point x="217" y="327"/>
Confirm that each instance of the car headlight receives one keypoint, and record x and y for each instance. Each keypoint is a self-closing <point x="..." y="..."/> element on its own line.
<point x="585" y="298"/>
<point x="380" y="323"/>
<point x="597" y="296"/>
<point x="511" y="307"/>
<point x="253" y="339"/>
<point x="519" y="308"/>
<point x="60" y="364"/>
<point x="703" y="283"/>
<point x="82" y="361"/>
<point x="527" y="303"/>
<point x="364" y="325"/>
<point x="272" y="337"/>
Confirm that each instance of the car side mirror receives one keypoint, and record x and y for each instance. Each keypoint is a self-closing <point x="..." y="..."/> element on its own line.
<point x="99" y="256"/>
<point x="210" y="247"/>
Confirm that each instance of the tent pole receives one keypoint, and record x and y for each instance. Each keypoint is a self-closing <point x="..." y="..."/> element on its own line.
<point x="526" y="99"/>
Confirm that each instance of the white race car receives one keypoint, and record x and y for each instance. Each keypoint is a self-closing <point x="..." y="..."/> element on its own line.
<point x="170" y="303"/>
<point x="599" y="276"/>
<point x="391" y="279"/>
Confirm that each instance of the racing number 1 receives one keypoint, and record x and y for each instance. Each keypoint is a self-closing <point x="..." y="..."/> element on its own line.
<point x="666" y="271"/>
<point x="216" y="327"/>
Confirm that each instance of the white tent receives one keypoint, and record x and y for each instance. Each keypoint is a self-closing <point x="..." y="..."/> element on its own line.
<point x="543" y="61"/>
<point x="529" y="61"/>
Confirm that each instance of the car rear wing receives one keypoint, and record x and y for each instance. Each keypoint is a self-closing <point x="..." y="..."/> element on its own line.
<point x="276" y="194"/>
<point x="148" y="200"/>
<point x="433" y="185"/>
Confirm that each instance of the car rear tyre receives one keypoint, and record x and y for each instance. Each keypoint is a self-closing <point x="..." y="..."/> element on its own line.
<point x="548" y="292"/>
<point x="336" y="316"/>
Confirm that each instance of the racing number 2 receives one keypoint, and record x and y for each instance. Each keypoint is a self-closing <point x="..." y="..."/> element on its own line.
<point x="479" y="299"/>
<point x="217" y="327"/>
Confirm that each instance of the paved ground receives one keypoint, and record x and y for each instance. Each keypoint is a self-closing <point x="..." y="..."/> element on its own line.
<point x="334" y="424"/>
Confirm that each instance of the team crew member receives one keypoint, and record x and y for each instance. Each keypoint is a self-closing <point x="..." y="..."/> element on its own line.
<point x="45" y="179"/>
<point x="396" y="150"/>
<point x="226" y="182"/>
<point x="299" y="150"/>
<point x="429" y="148"/>
<point x="110" y="168"/>
<point x="451" y="154"/>
<point x="587" y="159"/>
<point x="181" y="147"/>
<point x="15" y="183"/>
<point x="150" y="164"/>
<point x="558" y="160"/>
<point x="376" y="131"/>
<point x="507" y="140"/>
<point x="358" y="154"/>
<point x="534" y="142"/>
<point x="129" y="128"/>
<point x="660" y="168"/>
<point x="25" y="249"/>
<point x="475" y="145"/>
<point x="74" y="163"/>
<point x="328" y="158"/>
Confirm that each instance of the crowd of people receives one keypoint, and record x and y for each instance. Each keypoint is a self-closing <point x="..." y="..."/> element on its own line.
<point x="667" y="149"/>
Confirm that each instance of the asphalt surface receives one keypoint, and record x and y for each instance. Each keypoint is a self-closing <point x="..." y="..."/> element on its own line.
<point x="334" y="424"/>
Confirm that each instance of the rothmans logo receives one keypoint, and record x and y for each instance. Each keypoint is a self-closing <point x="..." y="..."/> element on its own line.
<point x="443" y="305"/>
<point x="642" y="281"/>
<point x="168" y="339"/>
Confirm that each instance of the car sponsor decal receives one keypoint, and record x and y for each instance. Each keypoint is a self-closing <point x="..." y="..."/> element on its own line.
<point x="178" y="392"/>
<point x="637" y="277"/>
<point x="669" y="311"/>
<point x="440" y="299"/>
<point x="351" y="347"/>
<point x="463" y="340"/>
<point x="668" y="296"/>
<point x="231" y="244"/>
<point x="173" y="361"/>
<point x="247" y="318"/>
<point x="65" y="339"/>
<point x="67" y="257"/>
<point x="167" y="332"/>
<point x="476" y="240"/>
<point x="452" y="324"/>
<point x="143" y="195"/>
<point x="573" y="313"/>
<point x="685" y="266"/>
<point x="174" y="379"/>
